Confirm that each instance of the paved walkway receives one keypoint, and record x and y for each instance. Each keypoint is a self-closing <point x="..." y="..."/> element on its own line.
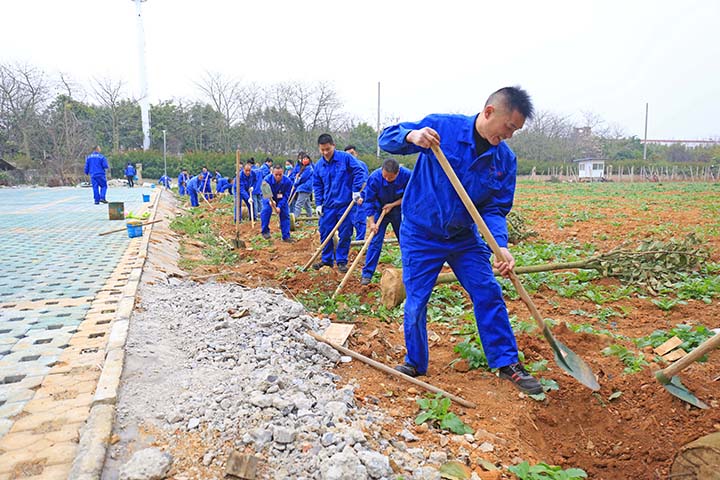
<point x="60" y="291"/>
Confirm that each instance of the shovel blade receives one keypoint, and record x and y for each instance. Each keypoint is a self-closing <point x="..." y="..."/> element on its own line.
<point x="237" y="244"/>
<point x="571" y="363"/>
<point x="676" y="387"/>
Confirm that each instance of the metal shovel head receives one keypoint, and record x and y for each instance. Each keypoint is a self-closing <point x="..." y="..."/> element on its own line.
<point x="266" y="190"/>
<point x="237" y="243"/>
<point x="676" y="387"/>
<point x="570" y="362"/>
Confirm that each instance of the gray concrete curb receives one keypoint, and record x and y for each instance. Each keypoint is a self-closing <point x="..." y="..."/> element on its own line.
<point x="95" y="434"/>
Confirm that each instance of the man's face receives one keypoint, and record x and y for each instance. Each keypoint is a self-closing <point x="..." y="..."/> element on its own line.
<point x="278" y="174"/>
<point x="501" y="124"/>
<point x="246" y="169"/>
<point x="389" y="177"/>
<point x="327" y="150"/>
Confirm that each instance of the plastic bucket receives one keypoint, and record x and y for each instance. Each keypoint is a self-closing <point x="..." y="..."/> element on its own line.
<point x="146" y="198"/>
<point x="116" y="210"/>
<point x="134" y="230"/>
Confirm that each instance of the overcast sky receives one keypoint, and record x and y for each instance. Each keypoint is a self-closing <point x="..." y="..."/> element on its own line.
<point x="605" y="57"/>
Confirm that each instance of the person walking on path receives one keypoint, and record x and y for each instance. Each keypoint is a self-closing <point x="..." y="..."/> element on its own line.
<point x="303" y="186"/>
<point x="130" y="175"/>
<point x="338" y="179"/>
<point x="165" y="181"/>
<point x="383" y="193"/>
<point x="358" y="213"/>
<point x="182" y="182"/>
<point x="437" y="228"/>
<point x="280" y="185"/>
<point x="95" y="166"/>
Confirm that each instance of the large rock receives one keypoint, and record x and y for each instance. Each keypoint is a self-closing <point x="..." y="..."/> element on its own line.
<point x="377" y="464"/>
<point x="147" y="464"/>
<point x="344" y="465"/>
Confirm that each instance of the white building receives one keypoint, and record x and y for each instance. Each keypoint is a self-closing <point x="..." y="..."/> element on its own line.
<point x="590" y="169"/>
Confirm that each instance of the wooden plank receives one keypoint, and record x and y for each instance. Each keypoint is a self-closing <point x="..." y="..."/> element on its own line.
<point x="675" y="355"/>
<point x="669" y="345"/>
<point x="241" y="466"/>
<point x="338" y="333"/>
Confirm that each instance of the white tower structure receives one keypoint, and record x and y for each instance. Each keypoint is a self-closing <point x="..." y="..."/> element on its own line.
<point x="144" y="99"/>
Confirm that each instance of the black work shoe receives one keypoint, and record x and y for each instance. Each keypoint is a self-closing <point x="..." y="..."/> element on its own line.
<point x="103" y="201"/>
<point x="266" y="236"/>
<point x="517" y="374"/>
<point x="319" y="265"/>
<point x="342" y="267"/>
<point x="365" y="281"/>
<point x="407" y="369"/>
<point x="288" y="240"/>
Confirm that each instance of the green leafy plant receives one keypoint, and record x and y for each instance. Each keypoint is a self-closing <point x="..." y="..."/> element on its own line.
<point x="692" y="336"/>
<point x="543" y="471"/>
<point x="437" y="410"/>
<point x="666" y="304"/>
<point x="634" y="362"/>
<point x="471" y="349"/>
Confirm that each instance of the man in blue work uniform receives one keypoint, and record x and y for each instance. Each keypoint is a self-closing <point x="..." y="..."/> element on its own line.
<point x="182" y="182"/>
<point x="206" y="186"/>
<point x="261" y="172"/>
<point x="437" y="227"/>
<point x="130" y="174"/>
<point x="383" y="193"/>
<point x="248" y="179"/>
<point x="338" y="179"/>
<point x="165" y="181"/>
<point x="95" y="166"/>
<point x="303" y="186"/>
<point x="280" y="185"/>
<point x="222" y="185"/>
<point x="358" y="212"/>
<point x="194" y="187"/>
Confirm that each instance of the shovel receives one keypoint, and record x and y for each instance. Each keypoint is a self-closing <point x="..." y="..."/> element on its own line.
<point x="358" y="258"/>
<point x="566" y="359"/>
<point x="672" y="383"/>
<point x="237" y="243"/>
<point x="330" y="235"/>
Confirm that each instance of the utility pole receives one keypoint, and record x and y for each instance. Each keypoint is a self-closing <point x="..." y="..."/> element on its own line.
<point x="378" y="121"/>
<point x="645" y="142"/>
<point x="144" y="100"/>
<point x="164" y="153"/>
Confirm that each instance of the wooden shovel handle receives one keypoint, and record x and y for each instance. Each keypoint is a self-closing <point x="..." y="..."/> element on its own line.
<point x="708" y="345"/>
<point x="358" y="258"/>
<point x="330" y="235"/>
<point x="123" y="229"/>
<point x="485" y="231"/>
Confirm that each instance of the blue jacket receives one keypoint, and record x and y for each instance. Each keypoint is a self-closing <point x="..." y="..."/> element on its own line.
<point x="130" y="171"/>
<point x="206" y="183"/>
<point x="280" y="190"/>
<point x="379" y="192"/>
<point x="430" y="205"/>
<point x="96" y="164"/>
<point x="165" y="180"/>
<point x="195" y="184"/>
<point x="260" y="173"/>
<point x="335" y="181"/>
<point x="222" y="184"/>
<point x="303" y="183"/>
<point x="183" y="178"/>
<point x="247" y="181"/>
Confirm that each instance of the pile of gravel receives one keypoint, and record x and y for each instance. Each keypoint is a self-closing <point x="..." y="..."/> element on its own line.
<point x="235" y="365"/>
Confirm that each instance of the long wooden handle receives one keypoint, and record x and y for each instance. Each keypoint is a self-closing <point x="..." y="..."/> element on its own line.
<point x="485" y="231"/>
<point x="123" y="229"/>
<point x="330" y="235"/>
<point x="709" y="344"/>
<point x="358" y="258"/>
<point x="393" y="372"/>
<point x="238" y="204"/>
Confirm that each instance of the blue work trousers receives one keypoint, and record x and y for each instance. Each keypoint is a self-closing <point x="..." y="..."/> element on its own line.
<point x="375" y="248"/>
<point x="193" y="197"/>
<point x="99" y="186"/>
<point x="326" y="223"/>
<point x="182" y="190"/>
<point x="469" y="257"/>
<point x="258" y="203"/>
<point x="359" y="221"/>
<point x="303" y="201"/>
<point x="267" y="211"/>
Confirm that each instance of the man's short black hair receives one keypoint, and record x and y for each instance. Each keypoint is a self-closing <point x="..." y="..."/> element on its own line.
<point x="350" y="147"/>
<point x="514" y="99"/>
<point x="278" y="166"/>
<point x="391" y="165"/>
<point x="268" y="159"/>
<point x="325" y="138"/>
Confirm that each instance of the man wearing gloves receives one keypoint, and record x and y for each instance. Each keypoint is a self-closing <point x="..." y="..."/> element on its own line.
<point x="383" y="193"/>
<point x="437" y="228"/>
<point x="95" y="166"/>
<point x="338" y="179"/>
<point x="280" y="185"/>
<point x="248" y="179"/>
<point x="358" y="213"/>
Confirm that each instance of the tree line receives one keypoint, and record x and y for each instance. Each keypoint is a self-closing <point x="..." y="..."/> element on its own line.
<point x="50" y="123"/>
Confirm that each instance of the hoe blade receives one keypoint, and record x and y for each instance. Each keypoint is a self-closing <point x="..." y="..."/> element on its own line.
<point x="676" y="387"/>
<point x="571" y="363"/>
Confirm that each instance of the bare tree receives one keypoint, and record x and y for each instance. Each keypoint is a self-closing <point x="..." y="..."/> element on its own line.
<point x="224" y="95"/>
<point x="109" y="93"/>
